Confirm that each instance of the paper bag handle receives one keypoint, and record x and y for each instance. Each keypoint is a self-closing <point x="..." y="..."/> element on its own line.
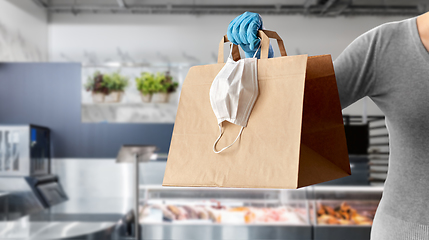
<point x="235" y="51"/>
<point x="265" y="35"/>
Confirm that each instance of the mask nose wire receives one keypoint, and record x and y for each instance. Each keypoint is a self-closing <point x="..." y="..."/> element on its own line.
<point x="231" y="45"/>
<point x="220" y="135"/>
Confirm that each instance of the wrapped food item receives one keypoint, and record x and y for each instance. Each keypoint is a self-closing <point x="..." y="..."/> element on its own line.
<point x="213" y="214"/>
<point x="174" y="210"/>
<point x="291" y="216"/>
<point x="191" y="212"/>
<point x="179" y="212"/>
<point x="202" y="213"/>
<point x="182" y="213"/>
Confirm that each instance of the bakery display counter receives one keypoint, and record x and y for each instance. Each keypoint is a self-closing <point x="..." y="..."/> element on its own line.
<point x="213" y="213"/>
<point x="317" y="212"/>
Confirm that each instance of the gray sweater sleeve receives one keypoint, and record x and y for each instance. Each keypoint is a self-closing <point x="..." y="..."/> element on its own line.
<point x="356" y="68"/>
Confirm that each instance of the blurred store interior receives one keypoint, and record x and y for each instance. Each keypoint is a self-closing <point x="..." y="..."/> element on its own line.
<point x="60" y="136"/>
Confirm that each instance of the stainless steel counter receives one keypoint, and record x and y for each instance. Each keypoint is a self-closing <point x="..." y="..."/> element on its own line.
<point x="74" y="219"/>
<point x="26" y="229"/>
<point x="3" y="194"/>
<point x="225" y="232"/>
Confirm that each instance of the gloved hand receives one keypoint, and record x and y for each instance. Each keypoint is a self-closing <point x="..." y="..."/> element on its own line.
<point x="243" y="31"/>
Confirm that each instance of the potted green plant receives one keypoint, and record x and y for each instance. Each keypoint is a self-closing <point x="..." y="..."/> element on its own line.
<point x="95" y="85"/>
<point x="160" y="95"/>
<point x="169" y="85"/>
<point x="146" y="85"/>
<point x="116" y="84"/>
<point x="166" y="86"/>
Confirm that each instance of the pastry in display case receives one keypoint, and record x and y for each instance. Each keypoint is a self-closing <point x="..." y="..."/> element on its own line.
<point x="345" y="212"/>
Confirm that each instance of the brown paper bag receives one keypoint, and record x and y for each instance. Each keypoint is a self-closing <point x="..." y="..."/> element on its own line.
<point x="294" y="137"/>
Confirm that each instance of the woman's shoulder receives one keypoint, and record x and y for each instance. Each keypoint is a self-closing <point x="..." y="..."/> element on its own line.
<point x="390" y="30"/>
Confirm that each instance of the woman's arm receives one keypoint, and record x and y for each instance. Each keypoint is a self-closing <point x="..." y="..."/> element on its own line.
<point x="356" y="68"/>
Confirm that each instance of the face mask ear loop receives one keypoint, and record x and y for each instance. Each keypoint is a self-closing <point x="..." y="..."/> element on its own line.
<point x="257" y="49"/>
<point x="217" y="140"/>
<point x="220" y="135"/>
<point x="231" y="45"/>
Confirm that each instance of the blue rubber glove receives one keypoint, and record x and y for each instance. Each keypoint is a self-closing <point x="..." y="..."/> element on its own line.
<point x="243" y="31"/>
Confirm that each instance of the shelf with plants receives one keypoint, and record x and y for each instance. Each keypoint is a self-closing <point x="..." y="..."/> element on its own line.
<point x="130" y="94"/>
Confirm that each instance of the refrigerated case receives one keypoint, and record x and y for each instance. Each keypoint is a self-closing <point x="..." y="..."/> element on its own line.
<point x="213" y="213"/>
<point x="219" y="213"/>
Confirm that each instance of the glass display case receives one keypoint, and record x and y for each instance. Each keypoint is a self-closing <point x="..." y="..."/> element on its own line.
<point x="316" y="212"/>
<point x="218" y="213"/>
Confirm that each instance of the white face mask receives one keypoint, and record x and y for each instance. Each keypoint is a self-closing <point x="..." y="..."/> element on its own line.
<point x="233" y="93"/>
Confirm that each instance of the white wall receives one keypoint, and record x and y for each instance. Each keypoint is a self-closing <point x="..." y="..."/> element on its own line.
<point x="149" y="37"/>
<point x="184" y="38"/>
<point x="23" y="31"/>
